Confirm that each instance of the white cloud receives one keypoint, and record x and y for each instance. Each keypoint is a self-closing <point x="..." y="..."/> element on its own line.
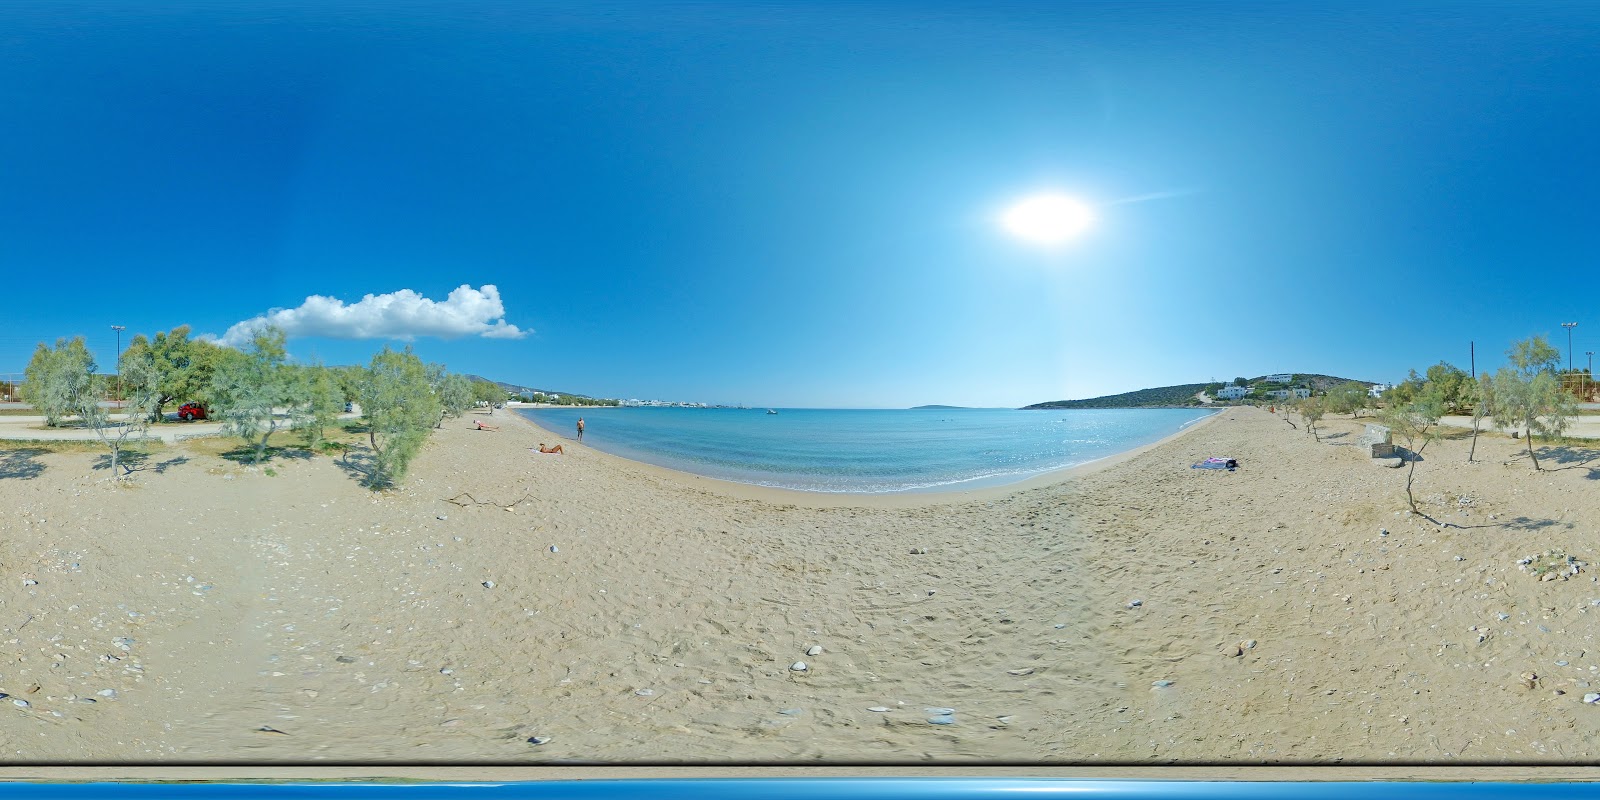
<point x="403" y="315"/>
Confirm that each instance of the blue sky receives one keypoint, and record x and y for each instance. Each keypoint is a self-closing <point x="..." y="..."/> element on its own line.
<point x="785" y="204"/>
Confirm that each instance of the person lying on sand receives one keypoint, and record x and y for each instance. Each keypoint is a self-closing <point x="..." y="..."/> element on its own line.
<point x="483" y="427"/>
<point x="557" y="449"/>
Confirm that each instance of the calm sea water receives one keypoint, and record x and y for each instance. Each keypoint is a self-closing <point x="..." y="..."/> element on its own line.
<point x="866" y="451"/>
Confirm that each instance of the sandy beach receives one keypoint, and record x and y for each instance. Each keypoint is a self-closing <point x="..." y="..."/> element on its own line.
<point x="209" y="612"/>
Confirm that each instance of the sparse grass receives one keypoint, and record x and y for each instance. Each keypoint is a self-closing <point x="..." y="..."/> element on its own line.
<point x="75" y="446"/>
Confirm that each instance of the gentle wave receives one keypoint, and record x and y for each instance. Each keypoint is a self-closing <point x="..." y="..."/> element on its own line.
<point x="867" y="451"/>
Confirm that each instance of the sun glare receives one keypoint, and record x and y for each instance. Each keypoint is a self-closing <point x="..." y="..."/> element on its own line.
<point x="1048" y="218"/>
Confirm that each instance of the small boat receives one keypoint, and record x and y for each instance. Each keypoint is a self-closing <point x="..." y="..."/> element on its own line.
<point x="770" y="411"/>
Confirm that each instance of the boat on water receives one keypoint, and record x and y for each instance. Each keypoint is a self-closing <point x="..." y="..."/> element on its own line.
<point x="770" y="411"/>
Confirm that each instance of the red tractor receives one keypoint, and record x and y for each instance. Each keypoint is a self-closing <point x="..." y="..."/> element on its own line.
<point x="189" y="412"/>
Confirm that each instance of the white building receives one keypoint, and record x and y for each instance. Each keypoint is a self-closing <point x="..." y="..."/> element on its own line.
<point x="1285" y="394"/>
<point x="1282" y="377"/>
<point x="1232" y="392"/>
<point x="1378" y="389"/>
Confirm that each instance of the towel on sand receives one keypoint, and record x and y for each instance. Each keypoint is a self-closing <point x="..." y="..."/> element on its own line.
<point x="1216" y="462"/>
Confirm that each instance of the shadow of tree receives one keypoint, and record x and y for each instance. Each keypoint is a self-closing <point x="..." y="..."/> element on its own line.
<point x="129" y="461"/>
<point x="358" y="464"/>
<point x="1530" y="524"/>
<point x="1572" y="457"/>
<point x="1340" y="435"/>
<point x="247" y="455"/>
<point x="137" y="461"/>
<point x="22" y="464"/>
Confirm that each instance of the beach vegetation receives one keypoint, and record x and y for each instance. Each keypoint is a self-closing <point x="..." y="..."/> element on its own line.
<point x="1481" y="395"/>
<point x="1528" y="394"/>
<point x="1415" y="423"/>
<point x="58" y="378"/>
<point x="1311" y="410"/>
<point x="488" y="394"/>
<point x="1350" y="397"/>
<point x="400" y="408"/>
<point x="248" y="387"/>
<point x="455" y="396"/>
<point x="187" y="366"/>
<point x="319" y="399"/>
<point x="141" y="392"/>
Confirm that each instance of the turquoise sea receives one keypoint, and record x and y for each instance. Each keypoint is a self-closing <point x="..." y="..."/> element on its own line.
<point x="866" y="451"/>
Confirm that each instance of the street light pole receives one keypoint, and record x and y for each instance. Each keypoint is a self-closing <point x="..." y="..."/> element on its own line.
<point x="1569" y="326"/>
<point x="119" y="329"/>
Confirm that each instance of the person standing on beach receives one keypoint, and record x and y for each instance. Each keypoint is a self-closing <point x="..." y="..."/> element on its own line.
<point x="580" y="429"/>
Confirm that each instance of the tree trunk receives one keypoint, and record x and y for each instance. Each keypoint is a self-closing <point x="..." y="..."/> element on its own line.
<point x="1411" y="475"/>
<point x="1536" y="467"/>
<point x="1474" y="449"/>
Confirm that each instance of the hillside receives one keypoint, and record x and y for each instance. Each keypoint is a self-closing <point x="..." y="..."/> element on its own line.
<point x="579" y="399"/>
<point x="1181" y="395"/>
<point x="1184" y="394"/>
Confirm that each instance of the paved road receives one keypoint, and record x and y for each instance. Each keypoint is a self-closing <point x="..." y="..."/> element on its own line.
<point x="1582" y="427"/>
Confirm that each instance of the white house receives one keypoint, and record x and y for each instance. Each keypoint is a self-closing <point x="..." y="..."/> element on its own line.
<point x="1378" y="389"/>
<point x="1282" y="377"/>
<point x="1285" y="394"/>
<point x="1232" y="392"/>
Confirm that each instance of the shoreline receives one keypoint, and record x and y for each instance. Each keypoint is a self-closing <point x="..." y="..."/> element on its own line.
<point x="884" y="500"/>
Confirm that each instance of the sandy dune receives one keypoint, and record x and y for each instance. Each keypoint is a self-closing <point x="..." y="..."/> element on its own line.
<point x="241" y="617"/>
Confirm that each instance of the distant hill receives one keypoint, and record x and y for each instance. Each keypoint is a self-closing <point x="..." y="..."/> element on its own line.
<point x="1322" y="383"/>
<point x="918" y="408"/>
<point x="1164" y="396"/>
<point x="519" y="389"/>
<point x="1184" y="394"/>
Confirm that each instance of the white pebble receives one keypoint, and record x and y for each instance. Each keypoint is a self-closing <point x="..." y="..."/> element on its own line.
<point x="814" y="650"/>
<point x="798" y="666"/>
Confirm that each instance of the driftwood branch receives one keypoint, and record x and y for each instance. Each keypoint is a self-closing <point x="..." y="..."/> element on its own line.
<point x="476" y="502"/>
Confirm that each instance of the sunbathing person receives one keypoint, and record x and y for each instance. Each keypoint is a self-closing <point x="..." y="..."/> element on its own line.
<point x="483" y="427"/>
<point x="557" y="449"/>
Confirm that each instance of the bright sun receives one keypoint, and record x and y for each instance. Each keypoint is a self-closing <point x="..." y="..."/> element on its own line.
<point x="1048" y="218"/>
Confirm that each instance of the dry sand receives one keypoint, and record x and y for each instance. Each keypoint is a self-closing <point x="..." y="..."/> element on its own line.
<point x="241" y="617"/>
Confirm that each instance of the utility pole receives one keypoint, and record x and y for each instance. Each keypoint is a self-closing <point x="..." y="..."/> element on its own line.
<point x="1569" y="326"/>
<point x="119" y="329"/>
<point x="1472" y="358"/>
